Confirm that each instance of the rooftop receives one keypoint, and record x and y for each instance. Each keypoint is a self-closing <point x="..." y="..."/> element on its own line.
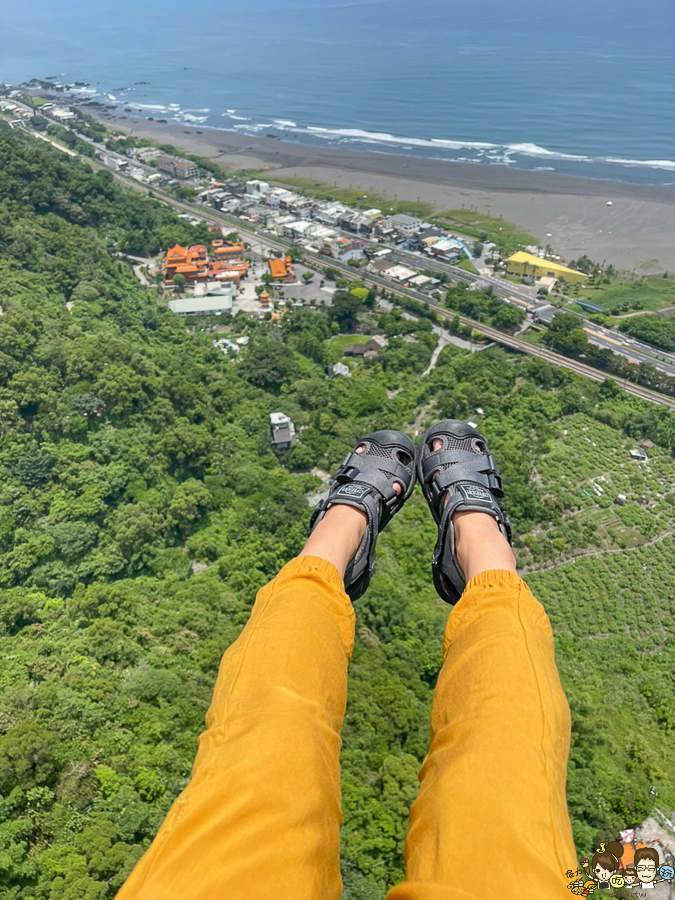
<point x="537" y="262"/>
<point x="281" y="268"/>
<point x="202" y="304"/>
<point x="400" y="273"/>
<point x="400" y="219"/>
<point x="447" y="244"/>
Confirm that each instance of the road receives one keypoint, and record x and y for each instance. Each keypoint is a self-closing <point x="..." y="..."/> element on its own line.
<point x="526" y="299"/>
<point x="320" y="262"/>
<point x="634" y="350"/>
<point x="541" y="310"/>
<point x="613" y="340"/>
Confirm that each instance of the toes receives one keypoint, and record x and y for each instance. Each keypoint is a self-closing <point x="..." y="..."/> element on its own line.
<point x="437" y="445"/>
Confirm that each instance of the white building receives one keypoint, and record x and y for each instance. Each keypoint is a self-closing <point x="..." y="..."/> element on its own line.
<point x="400" y="273"/>
<point x="319" y="233"/>
<point x="420" y="281"/>
<point x="405" y="226"/>
<point x="447" y="247"/>
<point x="277" y="221"/>
<point x="256" y="189"/>
<point x="116" y="163"/>
<point x="331" y="213"/>
<point x="194" y="306"/>
<point x="61" y="114"/>
<point x="298" y="229"/>
<point x="278" y="198"/>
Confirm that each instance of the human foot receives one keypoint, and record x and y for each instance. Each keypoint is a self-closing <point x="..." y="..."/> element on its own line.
<point x="461" y="484"/>
<point x="371" y="485"/>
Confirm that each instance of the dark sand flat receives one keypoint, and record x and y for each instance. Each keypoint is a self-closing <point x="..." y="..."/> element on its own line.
<point x="636" y="232"/>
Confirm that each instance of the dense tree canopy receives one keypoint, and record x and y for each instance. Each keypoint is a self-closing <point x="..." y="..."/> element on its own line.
<point x="141" y="508"/>
<point x="652" y="329"/>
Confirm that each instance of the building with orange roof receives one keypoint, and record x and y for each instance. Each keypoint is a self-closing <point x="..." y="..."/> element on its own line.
<point x="225" y="275"/>
<point x="265" y="298"/>
<point x="281" y="269"/>
<point x="199" y="255"/>
<point x="176" y="256"/>
<point x="229" y="251"/>
<point x="191" y="262"/>
<point x="195" y="265"/>
<point x="224" y="271"/>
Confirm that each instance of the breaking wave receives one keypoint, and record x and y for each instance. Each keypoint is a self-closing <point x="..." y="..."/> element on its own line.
<point x="449" y="149"/>
<point x="356" y="134"/>
<point x="651" y="163"/>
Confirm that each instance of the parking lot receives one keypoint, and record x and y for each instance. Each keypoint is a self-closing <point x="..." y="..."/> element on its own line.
<point x="317" y="291"/>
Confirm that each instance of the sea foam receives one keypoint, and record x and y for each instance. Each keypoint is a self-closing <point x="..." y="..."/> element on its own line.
<point x="356" y="134"/>
<point x="651" y="163"/>
<point x="536" y="150"/>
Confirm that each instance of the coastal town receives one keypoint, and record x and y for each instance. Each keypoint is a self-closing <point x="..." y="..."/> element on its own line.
<point x="260" y="262"/>
<point x="398" y="251"/>
<point x="370" y="239"/>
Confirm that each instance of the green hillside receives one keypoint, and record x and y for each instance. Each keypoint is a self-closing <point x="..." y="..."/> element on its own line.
<point x="134" y="454"/>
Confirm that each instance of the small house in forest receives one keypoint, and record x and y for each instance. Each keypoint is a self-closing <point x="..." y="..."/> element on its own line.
<point x="283" y="432"/>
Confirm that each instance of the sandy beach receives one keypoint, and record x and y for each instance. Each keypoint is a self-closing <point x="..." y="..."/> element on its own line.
<point x="636" y="232"/>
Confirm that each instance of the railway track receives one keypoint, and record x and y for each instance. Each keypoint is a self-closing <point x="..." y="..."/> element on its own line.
<point x="493" y="334"/>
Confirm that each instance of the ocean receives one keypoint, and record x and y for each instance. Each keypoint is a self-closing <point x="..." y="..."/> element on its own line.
<point x="529" y="84"/>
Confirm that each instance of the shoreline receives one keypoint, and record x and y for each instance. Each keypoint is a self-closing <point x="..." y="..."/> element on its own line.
<point x="568" y="212"/>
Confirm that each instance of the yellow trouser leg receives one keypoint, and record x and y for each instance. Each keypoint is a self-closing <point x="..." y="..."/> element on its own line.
<point x="260" y="819"/>
<point x="491" y="820"/>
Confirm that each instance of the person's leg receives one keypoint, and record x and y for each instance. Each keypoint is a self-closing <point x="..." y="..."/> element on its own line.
<point x="261" y="816"/>
<point x="491" y="817"/>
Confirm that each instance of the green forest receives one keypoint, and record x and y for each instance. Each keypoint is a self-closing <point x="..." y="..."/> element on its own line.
<point x="652" y="329"/>
<point x="141" y="508"/>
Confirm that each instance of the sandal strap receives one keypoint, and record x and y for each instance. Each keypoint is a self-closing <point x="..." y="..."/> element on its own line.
<point x="454" y="466"/>
<point x="466" y="473"/>
<point x="448" y="577"/>
<point x="360" y="469"/>
<point x="366" y="482"/>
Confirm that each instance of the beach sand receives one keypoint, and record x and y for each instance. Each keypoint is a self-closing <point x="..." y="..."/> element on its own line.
<point x="571" y="214"/>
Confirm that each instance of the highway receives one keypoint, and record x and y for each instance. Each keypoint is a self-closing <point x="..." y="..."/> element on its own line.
<point x="541" y="310"/>
<point x="506" y="340"/>
<point x="536" y="308"/>
<point x="633" y="350"/>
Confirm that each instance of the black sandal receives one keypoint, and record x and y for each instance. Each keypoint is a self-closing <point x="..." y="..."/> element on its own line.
<point x="464" y="468"/>
<point x="366" y="481"/>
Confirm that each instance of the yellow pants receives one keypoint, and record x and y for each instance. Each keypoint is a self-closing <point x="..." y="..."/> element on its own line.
<point x="260" y="819"/>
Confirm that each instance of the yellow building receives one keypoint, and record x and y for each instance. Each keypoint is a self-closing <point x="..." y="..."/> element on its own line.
<point x="526" y="264"/>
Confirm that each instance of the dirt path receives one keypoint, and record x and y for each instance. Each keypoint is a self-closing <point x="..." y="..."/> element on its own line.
<point x="415" y="427"/>
<point x="442" y="342"/>
<point x="646" y="312"/>
<point x="655" y="540"/>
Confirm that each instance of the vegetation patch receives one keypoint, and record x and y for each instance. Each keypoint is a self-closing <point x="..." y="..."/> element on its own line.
<point x="133" y="454"/>
<point x="623" y="296"/>
<point x="484" y="227"/>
